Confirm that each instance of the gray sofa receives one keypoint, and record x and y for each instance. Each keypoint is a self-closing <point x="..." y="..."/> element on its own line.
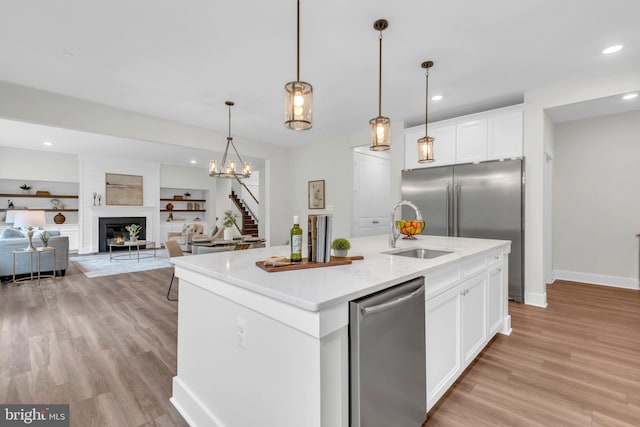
<point x="10" y="244"/>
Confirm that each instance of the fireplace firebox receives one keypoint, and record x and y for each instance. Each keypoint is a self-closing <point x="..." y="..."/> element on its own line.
<point x="114" y="228"/>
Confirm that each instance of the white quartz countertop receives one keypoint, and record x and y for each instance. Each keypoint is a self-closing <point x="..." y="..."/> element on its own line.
<point x="316" y="289"/>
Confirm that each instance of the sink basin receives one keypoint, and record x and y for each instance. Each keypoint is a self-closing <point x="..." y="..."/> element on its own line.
<point x="422" y="253"/>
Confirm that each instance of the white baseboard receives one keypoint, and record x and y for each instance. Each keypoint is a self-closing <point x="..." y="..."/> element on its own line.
<point x="535" y="299"/>
<point x="597" y="279"/>
<point x="195" y="413"/>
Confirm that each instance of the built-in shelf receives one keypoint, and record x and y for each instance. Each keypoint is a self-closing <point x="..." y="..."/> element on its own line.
<point x="183" y="210"/>
<point x="183" y="200"/>
<point x="38" y="209"/>
<point x="39" y="196"/>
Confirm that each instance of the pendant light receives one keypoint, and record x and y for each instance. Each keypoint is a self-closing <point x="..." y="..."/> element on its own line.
<point x="298" y="96"/>
<point x="380" y="126"/>
<point x="425" y="145"/>
<point x="228" y="169"/>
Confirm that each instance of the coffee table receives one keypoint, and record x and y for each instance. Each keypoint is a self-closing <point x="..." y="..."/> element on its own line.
<point x="129" y="244"/>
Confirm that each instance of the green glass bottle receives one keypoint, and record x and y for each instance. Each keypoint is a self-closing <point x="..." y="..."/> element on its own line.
<point x="296" y="240"/>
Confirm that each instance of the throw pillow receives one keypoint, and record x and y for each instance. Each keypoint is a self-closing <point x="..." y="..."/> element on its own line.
<point x="11" y="233"/>
<point x="188" y="229"/>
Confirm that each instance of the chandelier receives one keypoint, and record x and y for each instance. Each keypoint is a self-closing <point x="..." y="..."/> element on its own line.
<point x="228" y="169"/>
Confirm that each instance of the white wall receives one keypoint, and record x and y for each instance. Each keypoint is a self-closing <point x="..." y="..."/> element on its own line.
<point x="535" y="123"/>
<point x="36" y="106"/>
<point x="596" y="202"/>
<point x="92" y="179"/>
<point x="38" y="165"/>
<point x="333" y="161"/>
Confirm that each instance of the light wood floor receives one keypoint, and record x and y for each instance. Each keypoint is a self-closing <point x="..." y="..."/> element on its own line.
<point x="107" y="346"/>
<point x="575" y="363"/>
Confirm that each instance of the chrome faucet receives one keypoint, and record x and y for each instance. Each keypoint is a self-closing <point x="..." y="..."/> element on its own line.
<point x="395" y="233"/>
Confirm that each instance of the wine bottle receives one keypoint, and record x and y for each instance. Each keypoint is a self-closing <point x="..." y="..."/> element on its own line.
<point x="296" y="240"/>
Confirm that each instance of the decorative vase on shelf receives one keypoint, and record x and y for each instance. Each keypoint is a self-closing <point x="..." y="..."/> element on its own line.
<point x="59" y="218"/>
<point x="134" y="238"/>
<point x="228" y="233"/>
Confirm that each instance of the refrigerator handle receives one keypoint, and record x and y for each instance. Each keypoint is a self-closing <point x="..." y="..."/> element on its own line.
<point x="456" y="192"/>
<point x="448" y="210"/>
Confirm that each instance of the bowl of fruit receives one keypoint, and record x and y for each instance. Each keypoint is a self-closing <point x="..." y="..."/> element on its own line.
<point x="410" y="227"/>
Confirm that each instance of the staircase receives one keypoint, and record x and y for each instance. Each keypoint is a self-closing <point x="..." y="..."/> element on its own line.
<point x="249" y="225"/>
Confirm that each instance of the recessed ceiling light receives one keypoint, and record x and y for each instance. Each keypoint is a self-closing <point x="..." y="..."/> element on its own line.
<point x="630" y="96"/>
<point x="193" y="162"/>
<point x="436" y="97"/>
<point x="612" y="49"/>
<point x="49" y="143"/>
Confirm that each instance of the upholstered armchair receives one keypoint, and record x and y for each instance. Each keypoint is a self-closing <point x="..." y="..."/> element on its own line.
<point x="184" y="238"/>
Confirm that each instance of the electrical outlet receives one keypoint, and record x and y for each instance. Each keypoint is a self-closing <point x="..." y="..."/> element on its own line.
<point x="241" y="332"/>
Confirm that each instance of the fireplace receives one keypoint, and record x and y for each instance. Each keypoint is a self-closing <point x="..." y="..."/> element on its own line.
<point x="114" y="228"/>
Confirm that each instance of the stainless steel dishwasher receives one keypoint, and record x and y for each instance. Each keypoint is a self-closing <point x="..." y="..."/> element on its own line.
<point x="388" y="382"/>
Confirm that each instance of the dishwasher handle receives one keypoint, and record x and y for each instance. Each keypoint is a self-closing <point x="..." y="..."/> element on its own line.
<point x="368" y="311"/>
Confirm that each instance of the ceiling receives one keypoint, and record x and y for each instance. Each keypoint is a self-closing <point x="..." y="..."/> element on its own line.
<point x="181" y="60"/>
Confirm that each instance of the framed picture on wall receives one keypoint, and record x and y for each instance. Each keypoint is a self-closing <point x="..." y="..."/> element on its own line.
<point x="316" y="194"/>
<point x="123" y="189"/>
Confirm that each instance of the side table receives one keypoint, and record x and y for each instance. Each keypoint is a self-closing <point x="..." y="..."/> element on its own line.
<point x="39" y="252"/>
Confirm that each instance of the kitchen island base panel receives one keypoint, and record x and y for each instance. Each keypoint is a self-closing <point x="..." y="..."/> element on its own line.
<point x="294" y="369"/>
<point x="282" y="377"/>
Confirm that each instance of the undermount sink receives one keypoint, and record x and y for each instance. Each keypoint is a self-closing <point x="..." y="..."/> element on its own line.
<point x="421" y="253"/>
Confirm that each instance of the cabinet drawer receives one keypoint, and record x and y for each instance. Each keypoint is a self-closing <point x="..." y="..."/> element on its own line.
<point x="473" y="266"/>
<point x="495" y="258"/>
<point x="441" y="280"/>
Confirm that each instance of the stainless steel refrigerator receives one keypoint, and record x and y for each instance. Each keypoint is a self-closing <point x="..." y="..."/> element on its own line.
<point x="484" y="200"/>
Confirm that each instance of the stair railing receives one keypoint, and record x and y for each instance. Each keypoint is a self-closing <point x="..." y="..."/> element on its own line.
<point x="249" y="191"/>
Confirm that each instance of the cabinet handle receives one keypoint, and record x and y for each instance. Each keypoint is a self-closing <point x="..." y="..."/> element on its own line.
<point x="499" y="270"/>
<point x="496" y="258"/>
<point x="376" y="222"/>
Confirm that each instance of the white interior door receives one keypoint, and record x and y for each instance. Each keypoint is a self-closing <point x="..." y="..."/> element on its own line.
<point x="371" y="194"/>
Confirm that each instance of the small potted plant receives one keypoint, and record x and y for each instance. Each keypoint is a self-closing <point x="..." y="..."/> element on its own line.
<point x="340" y="247"/>
<point x="44" y="237"/>
<point x="228" y="221"/>
<point x="25" y="188"/>
<point x="133" y="230"/>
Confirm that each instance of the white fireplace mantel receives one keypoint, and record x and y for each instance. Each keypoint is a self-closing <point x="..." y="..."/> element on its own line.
<point x="151" y="213"/>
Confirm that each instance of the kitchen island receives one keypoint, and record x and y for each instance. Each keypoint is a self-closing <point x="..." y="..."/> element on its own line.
<point x="271" y="349"/>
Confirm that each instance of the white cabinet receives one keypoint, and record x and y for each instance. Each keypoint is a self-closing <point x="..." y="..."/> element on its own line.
<point x="471" y="143"/>
<point x="443" y="343"/>
<point x="444" y="146"/>
<point x="495" y="303"/>
<point x="464" y="309"/>
<point x="491" y="135"/>
<point x="474" y="317"/>
<point x="505" y="135"/>
<point x="72" y="231"/>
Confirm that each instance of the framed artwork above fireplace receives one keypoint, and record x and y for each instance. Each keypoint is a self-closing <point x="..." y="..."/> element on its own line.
<point x="123" y="189"/>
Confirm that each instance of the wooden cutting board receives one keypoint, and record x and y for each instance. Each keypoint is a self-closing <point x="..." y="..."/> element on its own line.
<point x="304" y="264"/>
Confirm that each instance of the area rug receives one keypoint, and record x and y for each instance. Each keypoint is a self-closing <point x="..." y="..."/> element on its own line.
<point x="99" y="264"/>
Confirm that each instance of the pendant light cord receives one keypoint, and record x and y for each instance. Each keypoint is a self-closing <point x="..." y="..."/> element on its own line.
<point x="380" y="76"/>
<point x="298" y="48"/>
<point x="426" y="106"/>
<point x="229" y="137"/>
